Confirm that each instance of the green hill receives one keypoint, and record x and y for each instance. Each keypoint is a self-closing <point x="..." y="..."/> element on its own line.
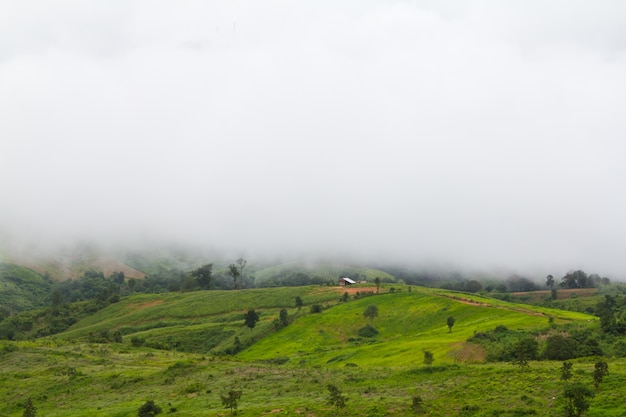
<point x="317" y="273"/>
<point x="286" y="371"/>
<point x="201" y="321"/>
<point x="408" y="324"/>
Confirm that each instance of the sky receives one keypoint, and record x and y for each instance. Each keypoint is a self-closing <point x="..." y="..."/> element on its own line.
<point x="479" y="134"/>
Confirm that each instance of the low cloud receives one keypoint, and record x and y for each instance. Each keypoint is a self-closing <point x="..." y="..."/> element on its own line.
<point x="479" y="134"/>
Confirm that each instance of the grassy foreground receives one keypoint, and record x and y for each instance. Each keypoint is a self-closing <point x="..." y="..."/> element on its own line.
<point x="114" y="380"/>
<point x="286" y="371"/>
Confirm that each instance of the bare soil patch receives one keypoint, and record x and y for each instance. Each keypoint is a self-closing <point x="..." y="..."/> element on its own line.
<point x="150" y="304"/>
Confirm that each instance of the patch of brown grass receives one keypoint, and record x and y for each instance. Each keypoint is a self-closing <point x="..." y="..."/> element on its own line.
<point x="150" y="304"/>
<point x="465" y="352"/>
<point x="562" y="294"/>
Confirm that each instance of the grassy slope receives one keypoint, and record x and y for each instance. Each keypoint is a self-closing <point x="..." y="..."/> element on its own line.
<point x="115" y="379"/>
<point x="208" y="321"/>
<point x="21" y="288"/>
<point x="112" y="380"/>
<point x="189" y="320"/>
<point x="409" y="323"/>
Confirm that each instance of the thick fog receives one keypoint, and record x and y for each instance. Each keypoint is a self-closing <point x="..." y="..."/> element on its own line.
<point x="482" y="134"/>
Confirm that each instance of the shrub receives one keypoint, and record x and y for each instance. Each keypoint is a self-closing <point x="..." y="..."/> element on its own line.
<point x="560" y="348"/>
<point x="149" y="409"/>
<point x="417" y="404"/>
<point x="231" y="400"/>
<point x="368" y="331"/>
<point x="137" y="341"/>
<point x="335" y="397"/>
<point x="316" y="308"/>
<point x="29" y="409"/>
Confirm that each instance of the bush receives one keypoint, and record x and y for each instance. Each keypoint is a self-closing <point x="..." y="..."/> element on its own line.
<point x="29" y="409"/>
<point x="316" y="308"/>
<point x="368" y="331"/>
<point x="560" y="348"/>
<point x="137" y="341"/>
<point x="149" y="409"/>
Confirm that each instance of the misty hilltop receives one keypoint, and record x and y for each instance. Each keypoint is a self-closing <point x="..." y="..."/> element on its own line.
<point x="475" y="135"/>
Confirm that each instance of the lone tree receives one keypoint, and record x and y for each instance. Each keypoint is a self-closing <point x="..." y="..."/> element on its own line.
<point x="600" y="371"/>
<point x="566" y="371"/>
<point x="428" y="357"/>
<point x="371" y="312"/>
<point x="550" y="281"/>
<point x="203" y="276"/>
<point x="525" y="350"/>
<point x="299" y="302"/>
<point x="149" y="409"/>
<point x="29" y="408"/>
<point x="241" y="264"/>
<point x="450" y="322"/>
<point x="251" y="317"/>
<point x="335" y="397"/>
<point x="377" y="282"/>
<point x="231" y="399"/>
<point x="233" y="271"/>
<point x="283" y="317"/>
<point x="577" y="399"/>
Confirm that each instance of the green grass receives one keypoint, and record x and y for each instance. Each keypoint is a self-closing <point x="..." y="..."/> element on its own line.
<point x="186" y="320"/>
<point x="285" y="372"/>
<point x="408" y="324"/>
<point x="114" y="380"/>
<point x="21" y="289"/>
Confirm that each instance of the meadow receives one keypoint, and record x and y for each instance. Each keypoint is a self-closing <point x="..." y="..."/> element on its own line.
<point x="285" y="371"/>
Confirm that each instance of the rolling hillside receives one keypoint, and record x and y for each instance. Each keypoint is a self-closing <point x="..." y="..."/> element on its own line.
<point x="286" y="371"/>
<point x="408" y="323"/>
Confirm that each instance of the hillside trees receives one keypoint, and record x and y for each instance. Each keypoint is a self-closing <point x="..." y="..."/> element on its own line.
<point x="473" y="286"/>
<point x="609" y="310"/>
<point x="241" y="264"/>
<point x="579" y="279"/>
<point x="518" y="283"/>
<point x="233" y="271"/>
<point x="204" y="276"/>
